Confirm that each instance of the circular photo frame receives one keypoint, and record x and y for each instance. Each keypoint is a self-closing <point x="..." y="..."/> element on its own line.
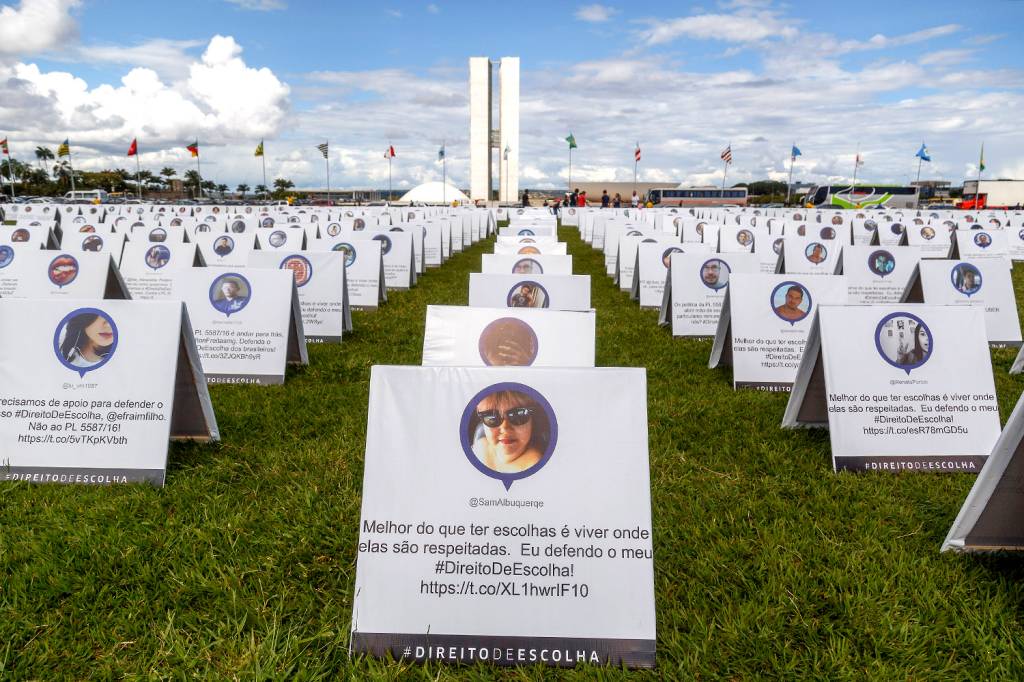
<point x="223" y="245"/>
<point x="277" y="238"/>
<point x="385" y="243"/>
<point x="714" y="274"/>
<point x="508" y="432"/>
<point x="6" y="255"/>
<point x="527" y="266"/>
<point x="92" y="243"/>
<point x="158" y="234"/>
<point x="966" y="278"/>
<point x="527" y="294"/>
<point x="300" y="267"/>
<point x="791" y="302"/>
<point x="85" y="340"/>
<point x="983" y="240"/>
<point x="904" y="341"/>
<point x="348" y="250"/>
<point x="928" y="233"/>
<point x="63" y="270"/>
<point x="745" y="238"/>
<point x="508" y="341"/>
<point x="881" y="262"/>
<point x="816" y="253"/>
<point x="666" y="255"/>
<point x="827" y="233"/>
<point x="230" y="293"/>
<point x="157" y="257"/>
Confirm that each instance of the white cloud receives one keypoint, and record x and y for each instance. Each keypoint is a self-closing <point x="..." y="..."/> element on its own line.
<point x="36" y="25"/>
<point x="260" y="5"/>
<point x="397" y="14"/>
<point x="433" y="9"/>
<point x="732" y="28"/>
<point x="946" y="58"/>
<point x="169" y="58"/>
<point x="595" y="14"/>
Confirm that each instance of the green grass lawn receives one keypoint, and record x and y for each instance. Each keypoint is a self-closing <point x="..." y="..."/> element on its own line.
<point x="766" y="563"/>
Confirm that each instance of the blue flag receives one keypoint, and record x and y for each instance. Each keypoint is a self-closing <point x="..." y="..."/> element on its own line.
<point x="796" y="152"/>
<point x="922" y="153"/>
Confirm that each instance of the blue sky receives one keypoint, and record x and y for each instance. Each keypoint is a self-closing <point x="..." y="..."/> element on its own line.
<point x="682" y="79"/>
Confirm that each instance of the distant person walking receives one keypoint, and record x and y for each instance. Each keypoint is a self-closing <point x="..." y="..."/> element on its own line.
<point x="617" y="201"/>
<point x="526" y="199"/>
<point x="605" y="199"/>
<point x="574" y="198"/>
<point x="635" y="201"/>
<point x="582" y="199"/>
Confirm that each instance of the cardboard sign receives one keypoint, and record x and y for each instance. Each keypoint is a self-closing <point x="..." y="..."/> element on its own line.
<point x="473" y="337"/>
<point x="878" y="274"/>
<point x="652" y="267"/>
<point x="901" y="387"/>
<point x="933" y="240"/>
<point x="449" y="540"/>
<point x="322" y="289"/>
<point x="984" y="283"/>
<point x="280" y="239"/>
<point x="364" y="266"/>
<point x="977" y="244"/>
<point x="990" y="517"/>
<point x="247" y="322"/>
<point x="494" y="263"/>
<point x="60" y="274"/>
<point x="148" y="269"/>
<point x="696" y="289"/>
<point x="556" y="292"/>
<point x="810" y="255"/>
<point x="764" y="324"/>
<point x="558" y="248"/>
<point x="225" y="250"/>
<point x="91" y="390"/>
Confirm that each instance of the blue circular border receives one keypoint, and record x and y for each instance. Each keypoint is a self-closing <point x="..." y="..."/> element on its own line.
<point x="145" y="256"/>
<point x="508" y="296"/>
<point x="787" y="284"/>
<point x="9" y="252"/>
<point x="534" y="261"/>
<point x="224" y="275"/>
<point x="67" y="318"/>
<point x="974" y="268"/>
<point x="728" y="269"/>
<point x="470" y="410"/>
<point x="350" y="252"/>
<point x="309" y="268"/>
<point x="878" y="344"/>
<point x="385" y="243"/>
<point x="871" y="258"/>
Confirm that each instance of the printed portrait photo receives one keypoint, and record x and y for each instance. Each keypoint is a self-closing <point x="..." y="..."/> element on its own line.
<point x="528" y="250"/>
<point x="745" y="238"/>
<point x="267" y="222"/>
<point x="222" y="246"/>
<point x="928" y="233"/>
<point x="816" y="252"/>
<point x="527" y="295"/>
<point x="86" y="339"/>
<point x="508" y="341"/>
<point x="837" y="220"/>
<point x="983" y="240"/>
<point x="6" y="255"/>
<point x="230" y="293"/>
<point x="86" y="229"/>
<point x="158" y="235"/>
<point x="526" y="233"/>
<point x="358" y="224"/>
<point x="827" y="233"/>
<point x="714" y="273"/>
<point x="966" y="278"/>
<point x="238" y="227"/>
<point x="333" y="229"/>
<point x="63" y="270"/>
<point x="791" y="301"/>
<point x="904" y="340"/>
<point x="527" y="266"/>
<point x="777" y="245"/>
<point x="20" y="235"/>
<point x="509" y="432"/>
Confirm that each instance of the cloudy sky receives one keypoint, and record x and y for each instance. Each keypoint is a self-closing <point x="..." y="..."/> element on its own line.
<point x="683" y="80"/>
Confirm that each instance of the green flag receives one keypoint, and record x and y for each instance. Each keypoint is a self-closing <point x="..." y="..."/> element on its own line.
<point x="572" y="141"/>
<point x="981" y="160"/>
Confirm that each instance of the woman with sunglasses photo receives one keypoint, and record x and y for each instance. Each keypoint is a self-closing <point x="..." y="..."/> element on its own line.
<point x="509" y="432"/>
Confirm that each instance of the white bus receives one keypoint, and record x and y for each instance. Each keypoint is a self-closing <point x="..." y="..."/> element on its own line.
<point x="93" y="195"/>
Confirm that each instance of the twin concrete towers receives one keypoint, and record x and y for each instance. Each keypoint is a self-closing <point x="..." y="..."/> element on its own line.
<point x="483" y="138"/>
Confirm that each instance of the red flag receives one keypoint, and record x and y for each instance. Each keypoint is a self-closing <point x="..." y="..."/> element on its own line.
<point x="3" y="146"/>
<point x="134" y="149"/>
<point x="391" y="150"/>
<point x="193" y="149"/>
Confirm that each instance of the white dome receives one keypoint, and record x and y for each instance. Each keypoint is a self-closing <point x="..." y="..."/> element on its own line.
<point x="434" y="193"/>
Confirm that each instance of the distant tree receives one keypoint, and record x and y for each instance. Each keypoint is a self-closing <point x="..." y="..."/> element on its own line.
<point x="167" y="173"/>
<point x="222" y="190"/>
<point x="261" y="190"/>
<point x="242" y="189"/>
<point x="281" y="187"/>
<point x="44" y="155"/>
<point x="192" y="181"/>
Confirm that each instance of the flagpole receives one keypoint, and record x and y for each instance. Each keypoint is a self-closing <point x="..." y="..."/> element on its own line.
<point x="977" y="189"/>
<point x="10" y="170"/>
<point x="444" y="175"/>
<point x="138" y="172"/>
<point x="389" y="172"/>
<point x="725" y="164"/>
<point x="856" y="163"/>
<point x="635" y="162"/>
<point x="263" y="158"/>
<point x="71" y="165"/>
<point x="789" y="185"/>
<point x="327" y="162"/>
<point x="570" y="169"/>
<point x="199" y="170"/>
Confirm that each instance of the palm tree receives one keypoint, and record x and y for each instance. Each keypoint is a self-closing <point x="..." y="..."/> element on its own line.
<point x="242" y="189"/>
<point x="192" y="180"/>
<point x="43" y="154"/>
<point x="261" y="190"/>
<point x="167" y="173"/>
<point x="221" y="189"/>
<point x="281" y="187"/>
<point x="62" y="172"/>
